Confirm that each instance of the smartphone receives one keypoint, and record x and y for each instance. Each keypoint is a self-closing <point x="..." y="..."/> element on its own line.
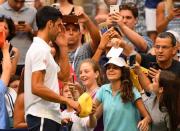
<point x="154" y="65"/>
<point x="69" y="19"/>
<point x="118" y="30"/>
<point x="132" y="60"/>
<point x="103" y="27"/>
<point x="21" y="22"/>
<point x="2" y="36"/>
<point x="176" y="4"/>
<point x="114" y="9"/>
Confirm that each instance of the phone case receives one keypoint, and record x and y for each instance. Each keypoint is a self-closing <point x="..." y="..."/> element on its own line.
<point x="103" y="27"/>
<point x="114" y="9"/>
<point x="2" y="37"/>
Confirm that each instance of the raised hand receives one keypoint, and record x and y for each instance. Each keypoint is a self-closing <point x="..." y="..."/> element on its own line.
<point x="61" y="39"/>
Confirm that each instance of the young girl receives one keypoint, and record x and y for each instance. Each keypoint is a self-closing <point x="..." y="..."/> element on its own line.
<point x="89" y="73"/>
<point x="170" y="98"/>
<point x="163" y="101"/>
<point x="91" y="80"/>
<point x="120" y="100"/>
<point x="69" y="117"/>
<point x="90" y="76"/>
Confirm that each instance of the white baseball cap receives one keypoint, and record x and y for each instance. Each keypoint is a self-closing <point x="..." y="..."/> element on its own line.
<point x="118" y="61"/>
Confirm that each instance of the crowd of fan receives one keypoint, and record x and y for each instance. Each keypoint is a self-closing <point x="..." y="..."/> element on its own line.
<point x="127" y="60"/>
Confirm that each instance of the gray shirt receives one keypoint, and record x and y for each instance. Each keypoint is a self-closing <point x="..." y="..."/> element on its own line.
<point x="160" y="120"/>
<point x="22" y="40"/>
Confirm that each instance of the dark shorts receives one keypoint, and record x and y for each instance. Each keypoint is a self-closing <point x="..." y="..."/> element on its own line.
<point x="42" y="124"/>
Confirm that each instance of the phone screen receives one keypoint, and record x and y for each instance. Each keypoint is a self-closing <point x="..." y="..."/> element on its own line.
<point x="21" y="22"/>
<point x="132" y="60"/>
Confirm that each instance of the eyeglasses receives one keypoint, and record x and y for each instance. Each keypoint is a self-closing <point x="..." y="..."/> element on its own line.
<point x="162" y="47"/>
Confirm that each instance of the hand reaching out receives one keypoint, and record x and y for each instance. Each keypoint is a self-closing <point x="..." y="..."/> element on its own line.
<point x="143" y="125"/>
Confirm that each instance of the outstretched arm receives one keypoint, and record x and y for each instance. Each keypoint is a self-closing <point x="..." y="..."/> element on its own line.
<point x="96" y="113"/>
<point x="63" y="61"/>
<point x="133" y="36"/>
<point x="144" y="123"/>
<point x="91" y="27"/>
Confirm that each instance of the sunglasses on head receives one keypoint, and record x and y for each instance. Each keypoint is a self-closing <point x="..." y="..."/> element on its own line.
<point x="4" y="16"/>
<point x="128" y="5"/>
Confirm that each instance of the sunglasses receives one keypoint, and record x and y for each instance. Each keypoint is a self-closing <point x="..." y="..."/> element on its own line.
<point x="111" y="66"/>
<point x="19" y="1"/>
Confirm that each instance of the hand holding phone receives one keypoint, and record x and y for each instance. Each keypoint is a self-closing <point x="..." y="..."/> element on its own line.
<point x="154" y="65"/>
<point x="21" y="22"/>
<point x="20" y="25"/>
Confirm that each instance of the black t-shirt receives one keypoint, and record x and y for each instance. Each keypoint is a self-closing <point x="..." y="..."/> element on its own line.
<point x="147" y="60"/>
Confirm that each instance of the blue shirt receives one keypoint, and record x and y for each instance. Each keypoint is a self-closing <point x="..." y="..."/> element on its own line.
<point x="4" y="124"/>
<point x="118" y="116"/>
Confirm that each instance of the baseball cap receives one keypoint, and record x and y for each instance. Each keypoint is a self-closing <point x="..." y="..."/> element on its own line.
<point x="86" y="103"/>
<point x="118" y="61"/>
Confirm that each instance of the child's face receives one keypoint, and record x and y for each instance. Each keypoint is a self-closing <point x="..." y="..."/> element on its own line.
<point x="87" y="74"/>
<point x="66" y="92"/>
<point x="113" y="72"/>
